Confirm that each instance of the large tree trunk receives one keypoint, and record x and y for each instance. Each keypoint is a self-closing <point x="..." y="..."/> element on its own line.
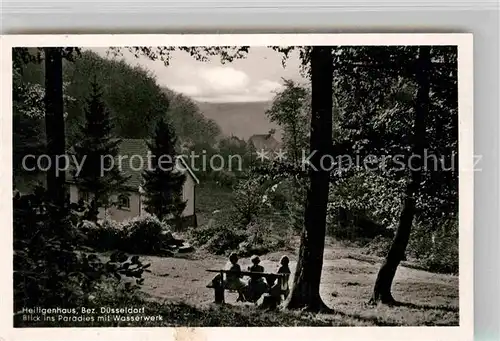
<point x="54" y="123"/>
<point x="305" y="291"/>
<point x="385" y="277"/>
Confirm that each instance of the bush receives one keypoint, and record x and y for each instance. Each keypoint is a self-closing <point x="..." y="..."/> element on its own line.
<point x="420" y="244"/>
<point x="219" y="236"/>
<point x="278" y="196"/>
<point x="354" y="226"/>
<point x="104" y="236"/>
<point x="435" y="251"/>
<point x="379" y="246"/>
<point x="224" y="178"/>
<point x="141" y="235"/>
<point x="363" y="204"/>
<point x="51" y="266"/>
<point x="248" y="200"/>
<point x="444" y="254"/>
<point x="261" y="239"/>
<point x="147" y="235"/>
<point x="223" y="235"/>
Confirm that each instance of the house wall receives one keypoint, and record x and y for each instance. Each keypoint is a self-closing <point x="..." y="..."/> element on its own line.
<point x="137" y="206"/>
<point x="73" y="193"/>
<point x="114" y="213"/>
<point x="121" y="214"/>
<point x="188" y="195"/>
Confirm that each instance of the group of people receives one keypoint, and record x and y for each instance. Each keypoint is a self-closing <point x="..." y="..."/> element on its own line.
<point x="252" y="289"/>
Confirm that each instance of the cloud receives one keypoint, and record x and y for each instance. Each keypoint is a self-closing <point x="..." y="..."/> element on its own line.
<point x="266" y="86"/>
<point x="252" y="79"/>
<point x="188" y="90"/>
<point x="226" y="84"/>
<point x="224" y="80"/>
<point x="213" y="83"/>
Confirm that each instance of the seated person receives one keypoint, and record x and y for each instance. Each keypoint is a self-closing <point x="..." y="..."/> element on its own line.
<point x="281" y="287"/>
<point x="257" y="285"/>
<point x="233" y="278"/>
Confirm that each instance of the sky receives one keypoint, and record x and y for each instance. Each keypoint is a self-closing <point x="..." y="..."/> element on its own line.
<point x="255" y="78"/>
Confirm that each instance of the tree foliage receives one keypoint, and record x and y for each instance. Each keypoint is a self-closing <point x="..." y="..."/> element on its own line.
<point x="290" y="110"/>
<point x="96" y="151"/>
<point x="51" y="267"/>
<point x="163" y="179"/>
<point x="134" y="99"/>
<point x="190" y="125"/>
<point x="376" y="90"/>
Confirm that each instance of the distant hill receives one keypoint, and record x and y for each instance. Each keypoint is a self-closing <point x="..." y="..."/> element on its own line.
<point x="242" y="119"/>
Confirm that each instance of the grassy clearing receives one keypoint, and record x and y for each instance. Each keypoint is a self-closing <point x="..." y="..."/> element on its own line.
<point x="176" y="291"/>
<point x="173" y="314"/>
<point x="176" y="294"/>
<point x="347" y="283"/>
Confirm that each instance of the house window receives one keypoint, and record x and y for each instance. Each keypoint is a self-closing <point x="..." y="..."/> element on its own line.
<point x="83" y="196"/>
<point x="123" y="201"/>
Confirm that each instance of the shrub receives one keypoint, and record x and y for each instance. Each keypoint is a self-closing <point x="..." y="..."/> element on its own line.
<point x="444" y="254"/>
<point x="103" y="236"/>
<point x="51" y="267"/>
<point x="140" y="235"/>
<point x="223" y="235"/>
<point x="277" y="196"/>
<point x="248" y="200"/>
<point x="354" y="226"/>
<point x="224" y="178"/>
<point x="363" y="204"/>
<point x="378" y="246"/>
<point x="219" y="236"/>
<point x="262" y="238"/>
<point x="147" y="235"/>
<point x="435" y="251"/>
<point x="420" y="244"/>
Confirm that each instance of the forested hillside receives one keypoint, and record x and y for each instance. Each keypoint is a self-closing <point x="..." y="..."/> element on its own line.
<point x="132" y="94"/>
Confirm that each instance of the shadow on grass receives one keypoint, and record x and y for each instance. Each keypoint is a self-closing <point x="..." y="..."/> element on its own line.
<point x="425" y="306"/>
<point x="169" y="314"/>
<point x="374" y="320"/>
<point x="369" y="319"/>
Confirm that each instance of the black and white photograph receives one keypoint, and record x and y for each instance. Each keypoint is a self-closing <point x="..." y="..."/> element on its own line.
<point x="269" y="185"/>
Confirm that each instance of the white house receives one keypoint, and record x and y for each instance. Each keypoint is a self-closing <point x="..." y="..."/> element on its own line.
<point x="134" y="153"/>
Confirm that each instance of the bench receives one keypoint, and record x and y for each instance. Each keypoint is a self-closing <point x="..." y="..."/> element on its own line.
<point x="218" y="285"/>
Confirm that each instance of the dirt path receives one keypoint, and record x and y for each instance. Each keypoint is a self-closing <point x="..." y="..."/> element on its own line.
<point x="346" y="286"/>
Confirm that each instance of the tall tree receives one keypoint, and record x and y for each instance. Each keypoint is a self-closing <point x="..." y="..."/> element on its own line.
<point x="54" y="122"/>
<point x="385" y="277"/>
<point x="378" y="89"/>
<point x="163" y="180"/>
<point x="96" y="150"/>
<point x="27" y="112"/>
<point x="305" y="291"/>
<point x="288" y="109"/>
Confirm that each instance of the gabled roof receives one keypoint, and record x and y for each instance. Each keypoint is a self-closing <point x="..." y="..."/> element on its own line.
<point x="264" y="141"/>
<point x="187" y="168"/>
<point x="131" y="164"/>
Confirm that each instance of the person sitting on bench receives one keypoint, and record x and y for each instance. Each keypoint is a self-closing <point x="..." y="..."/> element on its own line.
<point x="257" y="286"/>
<point x="233" y="278"/>
<point x="276" y="289"/>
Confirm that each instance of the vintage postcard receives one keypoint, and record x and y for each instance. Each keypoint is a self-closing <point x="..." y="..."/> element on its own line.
<point x="186" y="181"/>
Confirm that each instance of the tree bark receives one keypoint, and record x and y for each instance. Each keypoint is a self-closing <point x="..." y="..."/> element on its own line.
<point x="382" y="289"/>
<point x="54" y="123"/>
<point x="305" y="291"/>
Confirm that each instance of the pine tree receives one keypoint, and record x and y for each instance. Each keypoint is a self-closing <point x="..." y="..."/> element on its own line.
<point x="163" y="181"/>
<point x="98" y="148"/>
